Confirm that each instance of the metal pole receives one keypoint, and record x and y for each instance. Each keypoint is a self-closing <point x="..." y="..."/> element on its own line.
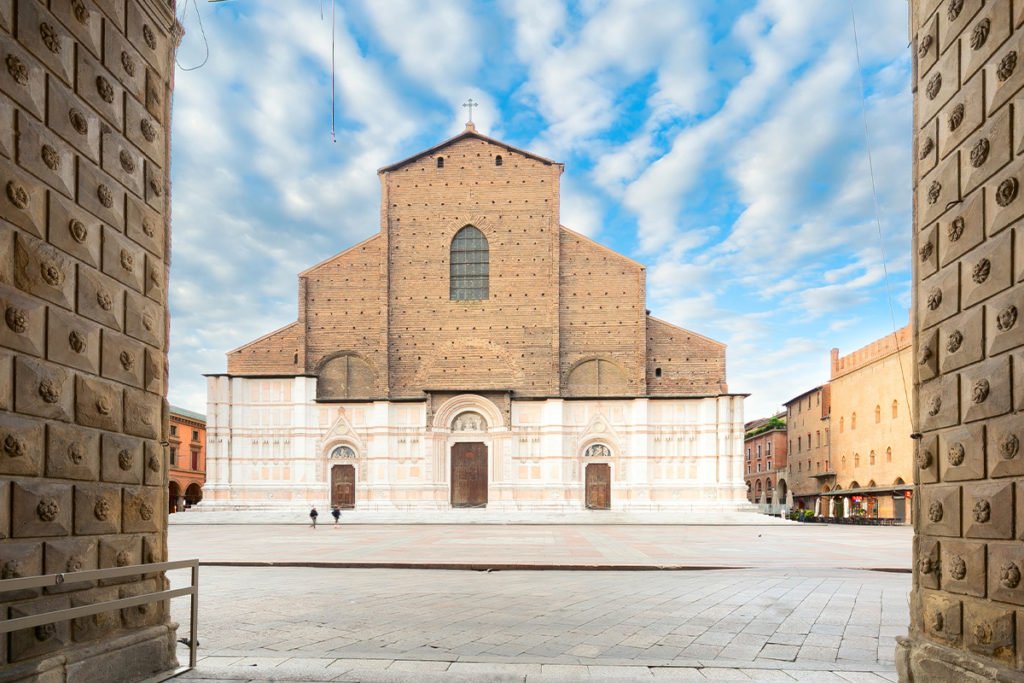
<point x="193" y="626"/>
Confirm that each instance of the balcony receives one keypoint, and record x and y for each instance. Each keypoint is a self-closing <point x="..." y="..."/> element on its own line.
<point x="824" y="475"/>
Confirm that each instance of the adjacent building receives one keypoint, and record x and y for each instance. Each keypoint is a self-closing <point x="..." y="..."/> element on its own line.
<point x="765" y="448"/>
<point x="187" y="446"/>
<point x="808" y="438"/>
<point x="475" y="353"/>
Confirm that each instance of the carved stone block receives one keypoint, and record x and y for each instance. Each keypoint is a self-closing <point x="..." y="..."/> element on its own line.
<point x="24" y="325"/>
<point x="143" y="130"/>
<point x="156" y="186"/>
<point x="940" y="86"/>
<point x="6" y="380"/>
<point x="156" y="276"/>
<point x="40" y="509"/>
<point x="926" y="459"/>
<point x="21" y="445"/>
<point x="926" y="568"/>
<point x="38" y="641"/>
<point x="101" y="90"/>
<point x="962" y="116"/>
<point x="960" y="340"/>
<point x="928" y="354"/>
<point x="121" y="551"/>
<point x="68" y="557"/>
<point x="939" y="190"/>
<point x="100" y="298"/>
<point x="145" y="226"/>
<point x="22" y="199"/>
<point x="19" y="560"/>
<point x="127" y="65"/>
<point x="1004" y="321"/>
<point x="41" y="270"/>
<point x="988" y="510"/>
<point x="985" y="389"/>
<point x="123" y="359"/>
<point x="940" y="511"/>
<point x="74" y="231"/>
<point x="1004" y="202"/>
<point x="43" y="390"/>
<point x="990" y="630"/>
<point x="155" y="92"/>
<point x="963" y="568"/>
<point x="156" y="464"/>
<point x="927" y="149"/>
<point x="123" y="260"/>
<point x="142" y="413"/>
<point x="940" y="405"/>
<point x="7" y="109"/>
<point x="156" y="372"/>
<point x="77" y="124"/>
<point x="1005" y="572"/>
<point x="22" y="78"/>
<point x="47" y="39"/>
<point x="1005" y="75"/>
<point x="986" y="34"/>
<point x="123" y="162"/>
<point x="46" y="156"/>
<point x="97" y="625"/>
<point x="82" y="20"/>
<point x="986" y="152"/>
<point x="99" y="404"/>
<point x="122" y="459"/>
<point x="97" y="509"/>
<point x="144" y="320"/>
<point x="928" y="252"/>
<point x="114" y="11"/>
<point x="942" y="617"/>
<point x="986" y="270"/>
<point x="927" y="47"/>
<point x="955" y="19"/>
<point x="149" y="614"/>
<point x="101" y="195"/>
<point x="73" y="341"/>
<point x="961" y="454"/>
<point x="148" y="38"/>
<point x="72" y="453"/>
<point x="1005" y="446"/>
<point x="143" y="509"/>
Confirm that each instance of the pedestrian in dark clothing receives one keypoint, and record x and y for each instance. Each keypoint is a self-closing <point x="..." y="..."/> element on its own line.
<point x="336" y="513"/>
<point x="313" y="515"/>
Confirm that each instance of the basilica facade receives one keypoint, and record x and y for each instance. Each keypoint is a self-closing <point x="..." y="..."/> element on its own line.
<point x="475" y="353"/>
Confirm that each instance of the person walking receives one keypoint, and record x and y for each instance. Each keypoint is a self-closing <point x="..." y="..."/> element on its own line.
<point x="313" y="515"/>
<point x="336" y="513"/>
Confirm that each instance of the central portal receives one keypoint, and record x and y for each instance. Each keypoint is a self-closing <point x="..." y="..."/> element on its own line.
<point x="343" y="486"/>
<point x="599" y="486"/>
<point x="469" y="475"/>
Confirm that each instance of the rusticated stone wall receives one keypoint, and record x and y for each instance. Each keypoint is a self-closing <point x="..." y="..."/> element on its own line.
<point x="85" y="91"/>
<point x="967" y="621"/>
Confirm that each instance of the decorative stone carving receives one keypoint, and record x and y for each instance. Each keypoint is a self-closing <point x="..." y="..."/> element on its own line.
<point x="980" y="391"/>
<point x="75" y="453"/>
<point x="105" y="90"/>
<point x="148" y="130"/>
<point x="934" y="191"/>
<point x="934" y="298"/>
<point x="927" y="145"/>
<point x="155" y="184"/>
<point x="981" y="271"/>
<point x="123" y="558"/>
<point x="146" y="511"/>
<point x="954" y="341"/>
<point x="125" y="459"/>
<point x="935" y="511"/>
<point x="76" y="340"/>
<point x="127" y="359"/>
<point x="16" y="319"/>
<point x="127" y="63"/>
<point x="11" y="570"/>
<point x="956" y="454"/>
<point x="339" y="452"/>
<point x="934" y="405"/>
<point x="956" y="117"/>
<point x="154" y="463"/>
<point x="105" y="301"/>
<point x="1007" y="191"/>
<point x="127" y="260"/>
<point x="980" y="33"/>
<point x="953" y="9"/>
<point x="1009" y="575"/>
<point x="923" y="458"/>
<point x="927" y="564"/>
<point x="45" y="631"/>
<point x="924" y="44"/>
<point x="47" y="509"/>
<point x="74" y="564"/>
<point x="127" y="163"/>
<point x="933" y="87"/>
<point x="51" y="273"/>
<point x="78" y="121"/>
<point x="979" y="152"/>
<point x="49" y="391"/>
<point x="81" y="12"/>
<point x="149" y="37"/>
<point x="102" y="509"/>
<point x="78" y="231"/>
<point x="1006" y="66"/>
<point x="1009" y="447"/>
<point x="147" y="227"/>
<point x="50" y="157"/>
<point x="147" y="321"/>
<point x="982" y="511"/>
<point x="105" y="196"/>
<point x="469" y="422"/>
<point x="18" y="195"/>
<point x="1006" y="318"/>
<point x="925" y="355"/>
<point x="957" y="568"/>
<point x="51" y="39"/>
<point x="597" y="450"/>
<point x="17" y="69"/>
<point x="926" y="250"/>
<point x="14" y="447"/>
<point x="956" y="229"/>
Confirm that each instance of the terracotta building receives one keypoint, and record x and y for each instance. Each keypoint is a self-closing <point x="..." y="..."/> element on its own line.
<point x="871" y="444"/>
<point x="764" y="457"/>
<point x="475" y="353"/>
<point x="809" y="448"/>
<point x="187" y="444"/>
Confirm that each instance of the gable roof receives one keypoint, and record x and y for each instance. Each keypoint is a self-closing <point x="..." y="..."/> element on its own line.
<point x="469" y="132"/>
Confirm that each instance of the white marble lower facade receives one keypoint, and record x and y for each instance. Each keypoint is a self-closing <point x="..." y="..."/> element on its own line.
<point x="270" y="445"/>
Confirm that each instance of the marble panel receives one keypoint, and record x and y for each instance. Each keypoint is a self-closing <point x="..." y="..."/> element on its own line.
<point x="68" y="557"/>
<point x="144" y="320"/>
<point x="156" y="372"/>
<point x="101" y="91"/>
<point x="145" y="132"/>
<point x="962" y="230"/>
<point x="962" y="116"/>
<point x="926" y="459"/>
<point x="939" y="191"/>
<point x="927" y="252"/>
<point x="98" y="625"/>
<point x="145" y="226"/>
<point x="156" y="464"/>
<point x="126" y="64"/>
<point x="928" y="354"/>
<point x="155" y="279"/>
<point x="101" y="195"/>
<point x="1004" y="201"/>
<point x="41" y="640"/>
<point x="82" y="20"/>
<point x="943" y="617"/>
<point x="940" y="85"/>
<point x="927" y="47"/>
<point x="143" y="509"/>
<point x="940" y="296"/>
<point x="986" y="34"/>
<point x="927" y="569"/>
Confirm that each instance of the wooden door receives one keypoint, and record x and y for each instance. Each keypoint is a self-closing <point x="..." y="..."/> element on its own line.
<point x="599" y="486"/>
<point x="469" y="475"/>
<point x="343" y="486"/>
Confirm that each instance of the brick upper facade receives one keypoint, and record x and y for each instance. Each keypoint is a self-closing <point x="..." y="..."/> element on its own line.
<point x="564" y="316"/>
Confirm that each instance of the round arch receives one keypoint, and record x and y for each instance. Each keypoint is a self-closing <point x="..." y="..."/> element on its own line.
<point x="462" y="403"/>
<point x="193" y="494"/>
<point x="596" y="376"/>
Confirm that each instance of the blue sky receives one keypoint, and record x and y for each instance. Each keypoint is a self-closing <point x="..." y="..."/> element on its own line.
<point x="720" y="143"/>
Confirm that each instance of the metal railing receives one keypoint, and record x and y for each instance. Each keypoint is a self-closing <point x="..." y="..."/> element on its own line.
<point x="8" y="585"/>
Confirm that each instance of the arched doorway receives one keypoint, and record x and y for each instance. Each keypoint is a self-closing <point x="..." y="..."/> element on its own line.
<point x="469" y="462"/>
<point x="193" y="494"/>
<point x="343" y="486"/>
<point x="173" y="496"/>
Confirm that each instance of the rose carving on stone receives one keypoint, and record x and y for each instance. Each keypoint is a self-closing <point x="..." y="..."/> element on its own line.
<point x="1006" y="318"/>
<point x="105" y="196"/>
<point x="11" y="570"/>
<point x="981" y="271"/>
<point x="980" y="33"/>
<point x="155" y="186"/>
<point x="934" y="405"/>
<point x="1009" y="575"/>
<point x="127" y="63"/>
<point x="123" y="559"/>
<point x="47" y="509"/>
<point x="17" y="69"/>
<point x="923" y="458"/>
<point x="1009" y="446"/>
<point x="954" y="341"/>
<point x="149" y="37"/>
<point x="13" y="446"/>
<point x="956" y="117"/>
<point x="1007" y="191"/>
<point x="1006" y="66"/>
<point x="105" y="90"/>
<point x="956" y="454"/>
<point x="125" y="459"/>
<point x="154" y="276"/>
<point x="926" y="250"/>
<point x="934" y="298"/>
<point x="147" y="321"/>
<point x="983" y="634"/>
<point x="934" y="191"/>
<point x="103" y="406"/>
<point x="50" y="37"/>
<point x="979" y="392"/>
<point x="927" y="564"/>
<point x="48" y="391"/>
<point x="74" y="564"/>
<point x="924" y="44"/>
<point x="956" y="229"/>
<point x="16" y="319"/>
<point x="146" y="511"/>
<point x="927" y="145"/>
<point x="78" y="121"/>
<point x="50" y="157"/>
<point x="75" y="454"/>
<point x="925" y="355"/>
<point x="102" y="509"/>
<point x="979" y="152"/>
<point x="931" y="91"/>
<point x="81" y="11"/>
<point x="982" y="511"/>
<point x="148" y="130"/>
<point x="147" y="227"/>
<point x="154" y="463"/>
<point x="127" y="359"/>
<point x="18" y="195"/>
<point x="78" y="230"/>
<point x="45" y="631"/>
<point x="953" y="9"/>
<point x="958" y="568"/>
<point x="127" y="260"/>
<point x="51" y="273"/>
<point x="104" y="300"/>
<point x="935" y="511"/>
<point x="76" y="340"/>
<point x="127" y="163"/>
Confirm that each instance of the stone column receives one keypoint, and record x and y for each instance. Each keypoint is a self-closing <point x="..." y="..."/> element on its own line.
<point x="85" y="90"/>
<point x="968" y="319"/>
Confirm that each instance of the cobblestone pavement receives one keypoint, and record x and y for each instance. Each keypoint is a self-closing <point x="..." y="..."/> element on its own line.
<point x="767" y="624"/>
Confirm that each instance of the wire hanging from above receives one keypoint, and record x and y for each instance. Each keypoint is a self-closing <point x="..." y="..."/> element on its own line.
<point x="206" y="43"/>
<point x="334" y="32"/>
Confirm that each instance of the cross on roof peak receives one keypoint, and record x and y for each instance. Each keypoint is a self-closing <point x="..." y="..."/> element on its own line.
<point x="469" y="105"/>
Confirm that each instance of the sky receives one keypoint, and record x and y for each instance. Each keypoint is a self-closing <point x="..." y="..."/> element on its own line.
<point x="723" y="144"/>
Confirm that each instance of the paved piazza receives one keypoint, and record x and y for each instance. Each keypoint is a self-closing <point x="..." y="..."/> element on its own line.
<point x="815" y="622"/>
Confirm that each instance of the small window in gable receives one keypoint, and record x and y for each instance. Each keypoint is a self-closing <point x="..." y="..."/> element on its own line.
<point x="657" y="372"/>
<point x="440" y="162"/>
<point x="497" y="160"/>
